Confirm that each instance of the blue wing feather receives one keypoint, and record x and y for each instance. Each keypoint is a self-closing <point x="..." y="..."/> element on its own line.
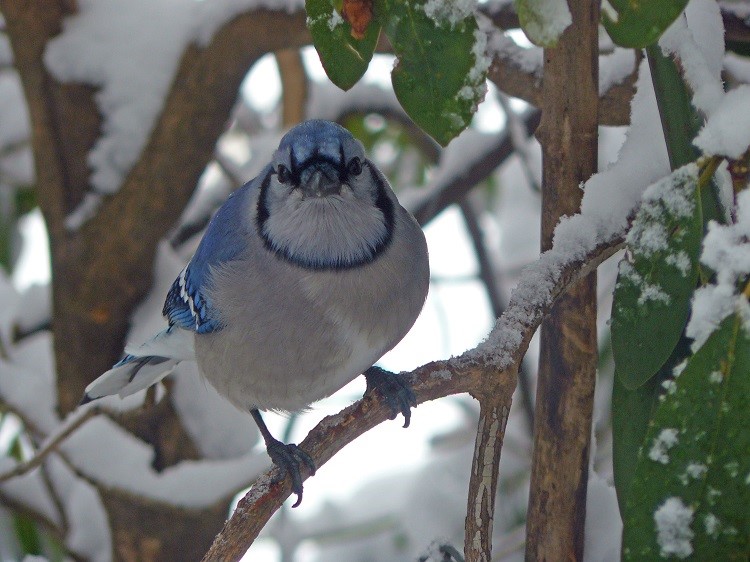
<point x="187" y="305"/>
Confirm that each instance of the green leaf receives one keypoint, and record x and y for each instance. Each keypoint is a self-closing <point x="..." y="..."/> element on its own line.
<point x="640" y="23"/>
<point x="696" y="459"/>
<point x="543" y="21"/>
<point x="344" y="58"/>
<point x="657" y="278"/>
<point x="680" y="122"/>
<point x="439" y="77"/>
<point x="631" y="412"/>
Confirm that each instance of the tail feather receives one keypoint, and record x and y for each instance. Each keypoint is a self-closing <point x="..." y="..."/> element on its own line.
<point x="143" y="366"/>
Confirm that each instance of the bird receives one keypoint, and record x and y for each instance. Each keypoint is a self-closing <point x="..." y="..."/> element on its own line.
<point x="304" y="278"/>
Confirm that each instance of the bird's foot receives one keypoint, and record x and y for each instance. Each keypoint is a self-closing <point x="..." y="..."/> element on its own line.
<point x="289" y="457"/>
<point x="395" y="389"/>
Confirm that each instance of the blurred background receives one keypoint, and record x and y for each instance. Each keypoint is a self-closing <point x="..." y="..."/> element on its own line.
<point x="394" y="494"/>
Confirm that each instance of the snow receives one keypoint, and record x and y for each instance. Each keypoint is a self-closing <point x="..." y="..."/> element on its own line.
<point x="737" y="67"/>
<point x="603" y="529"/>
<point x="610" y="195"/>
<point x="190" y="484"/>
<point x="27" y="381"/>
<point x="727" y="129"/>
<point x="475" y="83"/>
<point x="6" y="54"/>
<point x="681" y="261"/>
<point x="725" y="251"/>
<point x="701" y="63"/>
<point x="30" y="490"/>
<point x="661" y="445"/>
<point x="14" y="116"/>
<point x="88" y="532"/>
<point x="693" y="470"/>
<point x="609" y="199"/>
<point x="450" y="12"/>
<point x="530" y="60"/>
<point x="711" y="524"/>
<point x="334" y="21"/>
<point x="545" y="20"/>
<point x="219" y="430"/>
<point x="130" y="50"/>
<point x="326" y="102"/>
<point x="673" y="532"/>
<point x="614" y="67"/>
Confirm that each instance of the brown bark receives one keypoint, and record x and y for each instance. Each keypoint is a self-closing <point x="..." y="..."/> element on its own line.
<point x="293" y="86"/>
<point x="568" y="354"/>
<point x="103" y="270"/>
<point x="480" y="511"/>
<point x="149" y="531"/>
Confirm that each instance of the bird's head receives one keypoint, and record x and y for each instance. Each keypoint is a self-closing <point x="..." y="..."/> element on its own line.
<point x="322" y="203"/>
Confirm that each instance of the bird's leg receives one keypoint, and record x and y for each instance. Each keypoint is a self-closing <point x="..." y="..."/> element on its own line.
<point x="285" y="456"/>
<point x="395" y="390"/>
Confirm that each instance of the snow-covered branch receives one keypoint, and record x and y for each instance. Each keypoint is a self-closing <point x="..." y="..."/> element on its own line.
<point x="495" y="379"/>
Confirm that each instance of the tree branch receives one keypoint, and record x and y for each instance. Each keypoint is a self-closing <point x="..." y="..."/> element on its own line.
<point x="51" y="445"/>
<point x="486" y="372"/>
<point x="458" y="185"/>
<point x="493" y="417"/>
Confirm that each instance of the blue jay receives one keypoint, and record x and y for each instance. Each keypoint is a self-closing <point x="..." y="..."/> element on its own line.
<point x="304" y="278"/>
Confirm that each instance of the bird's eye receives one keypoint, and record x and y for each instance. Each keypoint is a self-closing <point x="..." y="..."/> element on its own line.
<point x="283" y="173"/>
<point x="355" y="166"/>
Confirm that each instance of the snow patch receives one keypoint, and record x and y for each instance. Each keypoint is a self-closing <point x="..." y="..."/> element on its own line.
<point x="727" y="252"/>
<point x="130" y="50"/>
<point x="546" y="20"/>
<point x="727" y="129"/>
<point x="673" y="532"/>
<point x="451" y="12"/>
<point x="661" y="445"/>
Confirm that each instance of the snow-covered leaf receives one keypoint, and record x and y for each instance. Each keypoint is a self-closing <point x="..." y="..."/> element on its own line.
<point x="543" y="21"/>
<point x="344" y="57"/>
<point x="639" y="24"/>
<point x="691" y="490"/>
<point x="439" y="77"/>
<point x="657" y="279"/>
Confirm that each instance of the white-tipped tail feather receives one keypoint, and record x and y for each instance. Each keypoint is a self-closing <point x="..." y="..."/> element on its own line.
<point x="144" y="365"/>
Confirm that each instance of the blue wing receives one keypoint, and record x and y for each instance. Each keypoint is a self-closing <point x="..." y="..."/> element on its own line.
<point x="187" y="305"/>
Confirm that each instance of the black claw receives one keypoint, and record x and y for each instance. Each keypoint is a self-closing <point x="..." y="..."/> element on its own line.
<point x="288" y="458"/>
<point x="395" y="390"/>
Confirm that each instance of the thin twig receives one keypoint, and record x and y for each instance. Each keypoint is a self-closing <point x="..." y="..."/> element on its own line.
<point x="53" y="442"/>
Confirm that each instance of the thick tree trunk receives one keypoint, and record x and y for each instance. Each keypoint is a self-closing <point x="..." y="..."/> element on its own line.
<point x="101" y="271"/>
<point x="568" y="356"/>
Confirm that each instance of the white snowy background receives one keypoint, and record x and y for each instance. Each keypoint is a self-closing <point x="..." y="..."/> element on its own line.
<point x="393" y="493"/>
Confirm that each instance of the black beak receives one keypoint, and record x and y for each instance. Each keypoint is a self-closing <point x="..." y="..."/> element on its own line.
<point x="321" y="185"/>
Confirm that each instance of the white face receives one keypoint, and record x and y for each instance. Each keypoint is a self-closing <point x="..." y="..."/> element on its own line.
<point x="322" y="204"/>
